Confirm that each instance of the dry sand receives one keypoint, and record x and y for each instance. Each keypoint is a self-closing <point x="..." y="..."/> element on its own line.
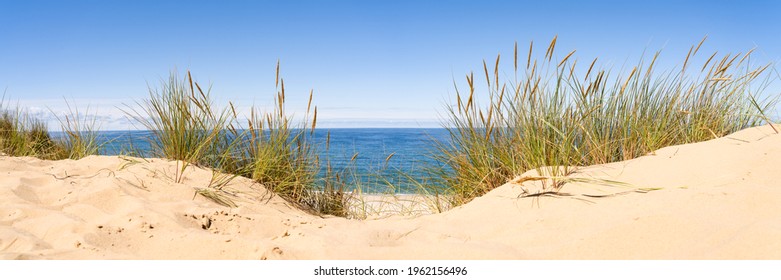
<point x="719" y="199"/>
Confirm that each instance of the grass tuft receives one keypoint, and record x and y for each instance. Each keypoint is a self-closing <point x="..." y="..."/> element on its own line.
<point x="21" y="134"/>
<point x="80" y="131"/>
<point x="546" y="115"/>
<point x="183" y="122"/>
<point x="271" y="149"/>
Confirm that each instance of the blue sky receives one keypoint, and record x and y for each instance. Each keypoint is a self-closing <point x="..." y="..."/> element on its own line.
<point x="370" y="63"/>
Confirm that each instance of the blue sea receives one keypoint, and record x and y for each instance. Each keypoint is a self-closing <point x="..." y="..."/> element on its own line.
<point x="371" y="147"/>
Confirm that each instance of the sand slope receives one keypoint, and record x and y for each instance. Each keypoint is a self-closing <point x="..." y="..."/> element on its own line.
<point x="719" y="199"/>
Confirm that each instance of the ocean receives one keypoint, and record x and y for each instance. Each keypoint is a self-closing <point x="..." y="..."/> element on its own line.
<point x="369" y="171"/>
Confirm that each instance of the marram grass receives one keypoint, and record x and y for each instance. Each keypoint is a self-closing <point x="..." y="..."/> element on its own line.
<point x="183" y="122"/>
<point x="547" y="113"/>
<point x="21" y="134"/>
<point x="270" y="148"/>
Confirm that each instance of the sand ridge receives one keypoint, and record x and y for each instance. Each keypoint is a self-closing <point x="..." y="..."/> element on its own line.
<point x="712" y="200"/>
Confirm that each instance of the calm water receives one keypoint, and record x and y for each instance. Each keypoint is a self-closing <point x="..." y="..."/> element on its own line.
<point x="409" y="146"/>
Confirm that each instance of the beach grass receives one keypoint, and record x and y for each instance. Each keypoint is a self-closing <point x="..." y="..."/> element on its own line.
<point x="547" y="113"/>
<point x="22" y="134"/>
<point x="80" y="133"/>
<point x="282" y="154"/>
<point x="183" y="122"/>
<point x="270" y="148"/>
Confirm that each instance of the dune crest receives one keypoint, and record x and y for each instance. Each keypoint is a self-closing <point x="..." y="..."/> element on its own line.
<point x="718" y="199"/>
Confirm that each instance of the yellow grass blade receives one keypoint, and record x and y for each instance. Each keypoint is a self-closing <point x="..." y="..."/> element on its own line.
<point x="566" y="57"/>
<point x="551" y="47"/>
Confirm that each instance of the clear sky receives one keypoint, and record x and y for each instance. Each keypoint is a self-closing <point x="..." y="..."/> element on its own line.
<point x="370" y="63"/>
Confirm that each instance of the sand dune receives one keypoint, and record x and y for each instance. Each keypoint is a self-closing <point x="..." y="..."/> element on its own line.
<point x="719" y="199"/>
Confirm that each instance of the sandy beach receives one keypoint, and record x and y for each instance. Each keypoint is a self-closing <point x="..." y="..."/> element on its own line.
<point x="719" y="199"/>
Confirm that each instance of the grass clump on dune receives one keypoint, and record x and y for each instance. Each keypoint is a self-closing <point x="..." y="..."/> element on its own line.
<point x="272" y="149"/>
<point x="282" y="154"/>
<point x="80" y="134"/>
<point x="548" y="113"/>
<point x="24" y="135"/>
<point x="183" y="123"/>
